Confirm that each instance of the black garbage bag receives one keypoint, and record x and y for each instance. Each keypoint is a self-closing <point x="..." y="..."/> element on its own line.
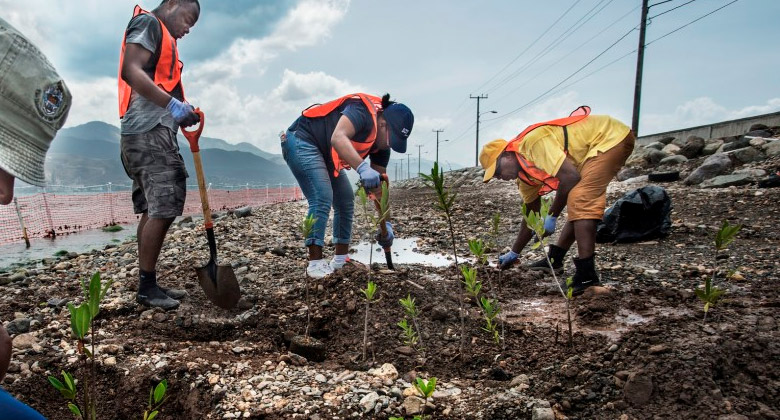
<point x="640" y="215"/>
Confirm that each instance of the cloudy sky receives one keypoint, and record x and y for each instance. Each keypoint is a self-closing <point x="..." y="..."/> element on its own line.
<point x="253" y="65"/>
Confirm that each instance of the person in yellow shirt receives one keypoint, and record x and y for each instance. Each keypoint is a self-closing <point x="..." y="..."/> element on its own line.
<point x="575" y="156"/>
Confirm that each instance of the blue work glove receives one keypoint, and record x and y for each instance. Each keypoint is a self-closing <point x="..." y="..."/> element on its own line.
<point x="182" y="112"/>
<point x="368" y="176"/>
<point x="549" y="224"/>
<point x="506" y="260"/>
<point x="387" y="241"/>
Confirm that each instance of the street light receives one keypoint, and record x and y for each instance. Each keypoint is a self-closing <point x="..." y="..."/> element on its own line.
<point x="479" y="114"/>
<point x="437" y="148"/>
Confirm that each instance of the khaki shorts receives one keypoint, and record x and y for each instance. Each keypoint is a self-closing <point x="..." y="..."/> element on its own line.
<point x="153" y="162"/>
<point x="588" y="199"/>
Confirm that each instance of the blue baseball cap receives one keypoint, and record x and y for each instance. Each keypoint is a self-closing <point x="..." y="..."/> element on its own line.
<point x="400" y="120"/>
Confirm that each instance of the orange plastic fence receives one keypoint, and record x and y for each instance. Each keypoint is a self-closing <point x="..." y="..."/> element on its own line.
<point x="48" y="214"/>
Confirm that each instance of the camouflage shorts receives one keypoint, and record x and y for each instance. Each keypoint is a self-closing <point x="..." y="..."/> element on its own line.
<point x="153" y="162"/>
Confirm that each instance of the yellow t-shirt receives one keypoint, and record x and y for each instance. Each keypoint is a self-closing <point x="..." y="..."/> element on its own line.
<point x="587" y="138"/>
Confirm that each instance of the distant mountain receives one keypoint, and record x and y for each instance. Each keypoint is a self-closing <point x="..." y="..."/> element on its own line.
<point x="88" y="154"/>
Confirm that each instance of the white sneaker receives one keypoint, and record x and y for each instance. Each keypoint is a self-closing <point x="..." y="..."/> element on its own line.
<point x="334" y="265"/>
<point x="318" y="269"/>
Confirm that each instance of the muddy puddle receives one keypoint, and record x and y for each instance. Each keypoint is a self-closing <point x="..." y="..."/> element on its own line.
<point x="549" y="311"/>
<point x="404" y="251"/>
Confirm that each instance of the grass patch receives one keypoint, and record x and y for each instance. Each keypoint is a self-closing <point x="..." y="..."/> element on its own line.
<point x="113" y="228"/>
<point x="61" y="253"/>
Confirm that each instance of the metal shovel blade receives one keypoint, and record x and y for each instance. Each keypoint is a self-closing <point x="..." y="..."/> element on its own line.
<point x="220" y="284"/>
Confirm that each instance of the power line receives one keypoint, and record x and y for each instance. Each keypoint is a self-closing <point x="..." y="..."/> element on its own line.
<point x="691" y="22"/>
<point x="667" y="11"/>
<point x="529" y="46"/>
<point x="544" y="71"/>
<point x="551" y="46"/>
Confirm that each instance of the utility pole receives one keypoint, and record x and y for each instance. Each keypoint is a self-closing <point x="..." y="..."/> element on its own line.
<point x="476" y="155"/>
<point x="437" y="143"/>
<point x="408" y="166"/>
<point x="419" y="154"/>
<point x="640" y="58"/>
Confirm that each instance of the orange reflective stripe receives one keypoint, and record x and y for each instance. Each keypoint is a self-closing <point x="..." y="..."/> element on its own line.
<point x="167" y="73"/>
<point x="529" y="173"/>
<point x="372" y="103"/>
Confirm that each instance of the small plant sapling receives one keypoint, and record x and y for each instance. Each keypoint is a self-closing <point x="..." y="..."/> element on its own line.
<point x="156" y="399"/>
<point x="426" y="389"/>
<point x="535" y="221"/>
<point x="410" y="336"/>
<point x="711" y="294"/>
<point x="411" y="311"/>
<point x="477" y="248"/>
<point x="490" y="310"/>
<point x="495" y="224"/>
<point x="306" y="227"/>
<point x="82" y="320"/>
<point x="445" y="202"/>
<point x="369" y="293"/>
<point x="373" y="222"/>
<point x="473" y="286"/>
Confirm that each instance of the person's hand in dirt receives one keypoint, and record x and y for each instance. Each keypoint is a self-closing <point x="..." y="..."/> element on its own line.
<point x="387" y="241"/>
<point x="506" y="260"/>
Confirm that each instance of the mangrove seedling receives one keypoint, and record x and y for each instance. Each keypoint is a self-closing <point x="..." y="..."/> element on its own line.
<point x="306" y="227"/>
<point x="490" y="310"/>
<point x="410" y="308"/>
<point x="495" y="223"/>
<point x="410" y="336"/>
<point x="712" y="294"/>
<point x="445" y="203"/>
<point x="477" y="247"/>
<point x="373" y="222"/>
<point x="426" y="389"/>
<point x="473" y="286"/>
<point x="156" y="399"/>
<point x="535" y="221"/>
<point x="369" y="293"/>
<point x="82" y="320"/>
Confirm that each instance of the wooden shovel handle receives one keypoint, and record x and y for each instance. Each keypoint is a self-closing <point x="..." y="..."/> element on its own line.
<point x="193" y="137"/>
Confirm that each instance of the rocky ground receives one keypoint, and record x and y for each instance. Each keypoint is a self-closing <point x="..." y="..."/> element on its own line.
<point x="640" y="348"/>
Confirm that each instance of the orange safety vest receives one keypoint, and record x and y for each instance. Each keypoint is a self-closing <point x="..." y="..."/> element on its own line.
<point x="167" y="74"/>
<point x="529" y="173"/>
<point x="372" y="103"/>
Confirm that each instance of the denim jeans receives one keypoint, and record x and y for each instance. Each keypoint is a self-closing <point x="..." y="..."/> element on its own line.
<point x="322" y="190"/>
<point x="11" y="408"/>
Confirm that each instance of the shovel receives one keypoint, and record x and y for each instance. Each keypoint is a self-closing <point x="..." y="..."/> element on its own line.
<point x="383" y="227"/>
<point x="218" y="281"/>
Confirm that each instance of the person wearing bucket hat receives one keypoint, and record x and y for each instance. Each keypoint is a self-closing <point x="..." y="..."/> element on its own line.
<point x="577" y="157"/>
<point x="152" y="107"/>
<point x="326" y="140"/>
<point x="34" y="104"/>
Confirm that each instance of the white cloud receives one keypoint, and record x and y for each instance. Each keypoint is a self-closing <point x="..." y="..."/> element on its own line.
<point x="95" y="100"/>
<point x="699" y="111"/>
<point x="312" y="87"/>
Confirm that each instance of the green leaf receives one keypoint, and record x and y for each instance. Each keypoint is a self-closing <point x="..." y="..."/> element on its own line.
<point x="536" y="245"/>
<point x="726" y="235"/>
<point x="74" y="409"/>
<point x="80" y="319"/>
<point x="56" y="383"/>
<point x="94" y="294"/>
<point x="159" y="391"/>
<point x="369" y="291"/>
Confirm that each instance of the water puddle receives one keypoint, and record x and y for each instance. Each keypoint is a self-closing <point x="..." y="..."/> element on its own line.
<point x="85" y="241"/>
<point x="549" y="311"/>
<point x="404" y="251"/>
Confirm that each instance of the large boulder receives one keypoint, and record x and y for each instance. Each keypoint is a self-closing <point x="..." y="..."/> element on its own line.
<point x="759" y="133"/>
<point x="666" y="140"/>
<point x="655" y="156"/>
<point x="657" y="145"/>
<point x="713" y="166"/>
<point x="628" y="172"/>
<point x="724" y="181"/>
<point x="692" y="147"/>
<point x="673" y="160"/>
<point x="640" y="157"/>
<point x="772" y="148"/>
<point x="747" y="154"/>
<point x="671" y="149"/>
<point x="755" y="127"/>
<point x="738" y="143"/>
<point x="711" y="147"/>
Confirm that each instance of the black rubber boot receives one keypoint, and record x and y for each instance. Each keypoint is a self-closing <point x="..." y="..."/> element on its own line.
<point x="149" y="294"/>
<point x="556" y="255"/>
<point x="585" y="276"/>
<point x="174" y="293"/>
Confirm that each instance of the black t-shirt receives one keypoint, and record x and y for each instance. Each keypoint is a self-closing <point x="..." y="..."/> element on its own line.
<point x="319" y="131"/>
